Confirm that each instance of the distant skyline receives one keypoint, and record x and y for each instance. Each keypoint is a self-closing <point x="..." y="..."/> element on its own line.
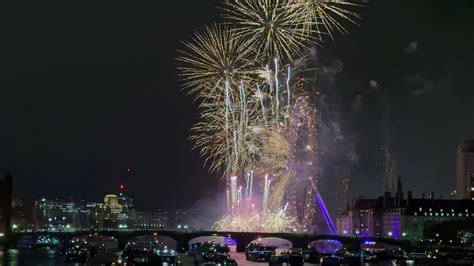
<point x="88" y="92"/>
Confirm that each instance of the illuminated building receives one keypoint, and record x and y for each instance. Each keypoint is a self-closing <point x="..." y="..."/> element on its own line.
<point x="397" y="217"/>
<point x="149" y="221"/>
<point x="465" y="171"/>
<point x="60" y="215"/>
<point x="5" y="210"/>
<point x="127" y="215"/>
<point x="116" y="212"/>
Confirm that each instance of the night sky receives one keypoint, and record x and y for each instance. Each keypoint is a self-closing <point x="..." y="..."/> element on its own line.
<point x="89" y="90"/>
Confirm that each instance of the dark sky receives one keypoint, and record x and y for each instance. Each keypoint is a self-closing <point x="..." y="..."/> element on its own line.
<point x="88" y="90"/>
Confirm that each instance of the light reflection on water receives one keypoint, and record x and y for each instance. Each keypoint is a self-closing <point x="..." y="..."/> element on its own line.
<point x="43" y="257"/>
<point x="52" y="257"/>
<point x="14" y="257"/>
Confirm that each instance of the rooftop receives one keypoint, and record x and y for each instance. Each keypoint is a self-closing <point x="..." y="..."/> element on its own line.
<point x="467" y="146"/>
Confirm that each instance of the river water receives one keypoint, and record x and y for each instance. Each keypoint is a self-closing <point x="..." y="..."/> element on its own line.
<point x="51" y="257"/>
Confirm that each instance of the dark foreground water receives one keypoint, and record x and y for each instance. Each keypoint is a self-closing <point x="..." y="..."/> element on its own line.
<point x="54" y="258"/>
<point x="46" y="257"/>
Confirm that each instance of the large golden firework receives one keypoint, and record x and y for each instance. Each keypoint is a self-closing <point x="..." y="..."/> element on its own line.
<point x="230" y="133"/>
<point x="325" y="16"/>
<point x="275" y="28"/>
<point x="213" y="59"/>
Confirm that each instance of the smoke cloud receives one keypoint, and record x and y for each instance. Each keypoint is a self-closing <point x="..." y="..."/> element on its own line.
<point x="411" y="48"/>
<point x="419" y="85"/>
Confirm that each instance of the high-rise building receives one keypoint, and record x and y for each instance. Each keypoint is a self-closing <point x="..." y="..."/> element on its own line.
<point x="465" y="170"/>
<point x="5" y="209"/>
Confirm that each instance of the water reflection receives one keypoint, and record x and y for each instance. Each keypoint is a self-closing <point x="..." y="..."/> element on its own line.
<point x="43" y="257"/>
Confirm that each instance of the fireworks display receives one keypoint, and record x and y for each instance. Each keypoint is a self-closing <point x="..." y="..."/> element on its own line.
<point x="259" y="109"/>
<point x="324" y="17"/>
<point x="275" y="28"/>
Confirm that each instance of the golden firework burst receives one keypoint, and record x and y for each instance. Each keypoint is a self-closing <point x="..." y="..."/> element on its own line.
<point x="275" y="28"/>
<point x="327" y="16"/>
<point x="214" y="56"/>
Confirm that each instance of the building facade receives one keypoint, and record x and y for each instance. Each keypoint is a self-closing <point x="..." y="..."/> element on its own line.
<point x="5" y="210"/>
<point x="465" y="171"/>
<point x="114" y="213"/>
<point x="22" y="217"/>
<point x="149" y="221"/>
<point x="60" y="215"/>
<point x="399" y="217"/>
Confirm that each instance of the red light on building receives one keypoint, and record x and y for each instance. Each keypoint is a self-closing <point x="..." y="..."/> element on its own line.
<point x="121" y="186"/>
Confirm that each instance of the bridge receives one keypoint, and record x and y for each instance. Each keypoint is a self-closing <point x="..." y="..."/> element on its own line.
<point x="182" y="238"/>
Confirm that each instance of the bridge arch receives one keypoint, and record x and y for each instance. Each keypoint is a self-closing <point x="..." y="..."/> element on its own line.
<point x="280" y="243"/>
<point x="26" y="241"/>
<point x="227" y="240"/>
<point x="326" y="246"/>
<point x="146" y="238"/>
